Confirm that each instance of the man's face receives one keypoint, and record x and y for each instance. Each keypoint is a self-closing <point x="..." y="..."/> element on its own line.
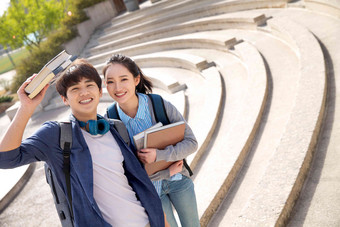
<point x="83" y="98"/>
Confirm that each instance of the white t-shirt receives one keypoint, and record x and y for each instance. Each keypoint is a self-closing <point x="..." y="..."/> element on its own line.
<point x="115" y="198"/>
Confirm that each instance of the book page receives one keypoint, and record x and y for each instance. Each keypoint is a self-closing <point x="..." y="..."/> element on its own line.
<point x="46" y="70"/>
<point x="139" y="138"/>
<point x="41" y="86"/>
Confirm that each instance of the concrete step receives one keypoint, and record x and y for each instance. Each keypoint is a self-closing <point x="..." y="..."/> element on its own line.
<point x="283" y="73"/>
<point x="147" y="12"/>
<point x="232" y="140"/>
<point x="15" y="180"/>
<point x="198" y="86"/>
<point x="154" y="15"/>
<point x="299" y="138"/>
<point x="179" y="13"/>
<point x="169" y="59"/>
<point x="204" y="24"/>
<point x="212" y="101"/>
<point x="317" y="205"/>
<point x="197" y="40"/>
<point x="166" y="19"/>
<point x="164" y="82"/>
<point x="329" y="7"/>
<point x="128" y="19"/>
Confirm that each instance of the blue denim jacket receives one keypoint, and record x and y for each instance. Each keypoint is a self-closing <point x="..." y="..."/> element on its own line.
<point x="44" y="146"/>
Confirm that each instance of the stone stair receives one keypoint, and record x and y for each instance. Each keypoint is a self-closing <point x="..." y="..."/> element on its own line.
<point x="256" y="80"/>
<point x="272" y="112"/>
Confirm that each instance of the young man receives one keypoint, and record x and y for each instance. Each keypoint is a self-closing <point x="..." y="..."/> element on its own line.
<point x="108" y="184"/>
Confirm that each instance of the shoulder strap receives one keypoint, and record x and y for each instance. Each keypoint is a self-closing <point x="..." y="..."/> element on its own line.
<point x="66" y="144"/>
<point x="122" y="130"/>
<point x="112" y="111"/>
<point x="60" y="201"/>
<point x="159" y="109"/>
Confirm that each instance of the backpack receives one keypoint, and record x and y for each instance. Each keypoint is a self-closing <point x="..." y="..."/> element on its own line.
<point x="64" y="209"/>
<point x="159" y="112"/>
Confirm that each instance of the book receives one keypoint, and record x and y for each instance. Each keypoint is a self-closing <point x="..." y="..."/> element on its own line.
<point x="55" y="66"/>
<point x="160" y="138"/>
<point x="139" y="138"/>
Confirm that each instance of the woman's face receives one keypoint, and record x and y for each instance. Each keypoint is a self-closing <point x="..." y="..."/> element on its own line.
<point x="121" y="84"/>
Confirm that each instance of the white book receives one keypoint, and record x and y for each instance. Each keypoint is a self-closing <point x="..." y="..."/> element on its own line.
<point x="55" y="66"/>
<point x="139" y="138"/>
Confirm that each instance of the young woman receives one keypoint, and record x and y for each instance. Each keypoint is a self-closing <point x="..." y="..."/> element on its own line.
<point x="128" y="86"/>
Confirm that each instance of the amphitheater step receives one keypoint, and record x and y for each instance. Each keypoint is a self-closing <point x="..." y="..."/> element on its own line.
<point x="232" y="140"/>
<point x="317" y="205"/>
<point x="197" y="40"/>
<point x="270" y="206"/>
<point x="164" y="21"/>
<point x="203" y="24"/>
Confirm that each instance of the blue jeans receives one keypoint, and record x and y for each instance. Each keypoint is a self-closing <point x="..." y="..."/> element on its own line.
<point x="181" y="194"/>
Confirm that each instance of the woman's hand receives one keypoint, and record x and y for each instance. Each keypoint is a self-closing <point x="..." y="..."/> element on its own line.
<point x="176" y="167"/>
<point x="147" y="155"/>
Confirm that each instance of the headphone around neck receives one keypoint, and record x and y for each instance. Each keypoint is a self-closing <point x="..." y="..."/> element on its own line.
<point x="95" y="127"/>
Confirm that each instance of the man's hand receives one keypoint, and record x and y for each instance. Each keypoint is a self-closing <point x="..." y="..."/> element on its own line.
<point x="27" y="103"/>
<point x="147" y="155"/>
<point x="176" y="167"/>
<point x="13" y="136"/>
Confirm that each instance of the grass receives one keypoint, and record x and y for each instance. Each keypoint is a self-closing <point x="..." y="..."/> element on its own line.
<point x="5" y="63"/>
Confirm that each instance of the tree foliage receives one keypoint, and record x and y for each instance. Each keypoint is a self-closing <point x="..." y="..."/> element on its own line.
<point x="63" y="31"/>
<point x="30" y="21"/>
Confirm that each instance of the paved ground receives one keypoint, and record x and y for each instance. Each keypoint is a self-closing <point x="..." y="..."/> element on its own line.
<point x="6" y="76"/>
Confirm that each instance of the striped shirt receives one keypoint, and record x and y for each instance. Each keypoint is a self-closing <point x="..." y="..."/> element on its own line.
<point x="139" y="123"/>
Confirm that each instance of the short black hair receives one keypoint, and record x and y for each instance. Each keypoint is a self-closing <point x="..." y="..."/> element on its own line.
<point x="79" y="69"/>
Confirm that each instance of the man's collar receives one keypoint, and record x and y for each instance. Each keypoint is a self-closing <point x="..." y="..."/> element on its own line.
<point x="73" y="118"/>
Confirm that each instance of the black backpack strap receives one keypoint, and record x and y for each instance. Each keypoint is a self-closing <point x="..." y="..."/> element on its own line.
<point x="112" y="111"/>
<point x="66" y="144"/>
<point x="187" y="167"/>
<point x="159" y="109"/>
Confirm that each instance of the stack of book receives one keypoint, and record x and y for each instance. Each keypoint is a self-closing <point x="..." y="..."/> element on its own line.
<point x="54" y="67"/>
<point x="159" y="136"/>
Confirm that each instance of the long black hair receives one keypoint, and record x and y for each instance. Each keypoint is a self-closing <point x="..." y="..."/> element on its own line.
<point x="145" y="84"/>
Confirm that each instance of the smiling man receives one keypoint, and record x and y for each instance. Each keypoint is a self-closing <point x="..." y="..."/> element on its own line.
<point x="109" y="186"/>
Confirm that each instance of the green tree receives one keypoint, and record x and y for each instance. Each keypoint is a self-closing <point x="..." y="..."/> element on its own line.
<point x="30" y="21"/>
